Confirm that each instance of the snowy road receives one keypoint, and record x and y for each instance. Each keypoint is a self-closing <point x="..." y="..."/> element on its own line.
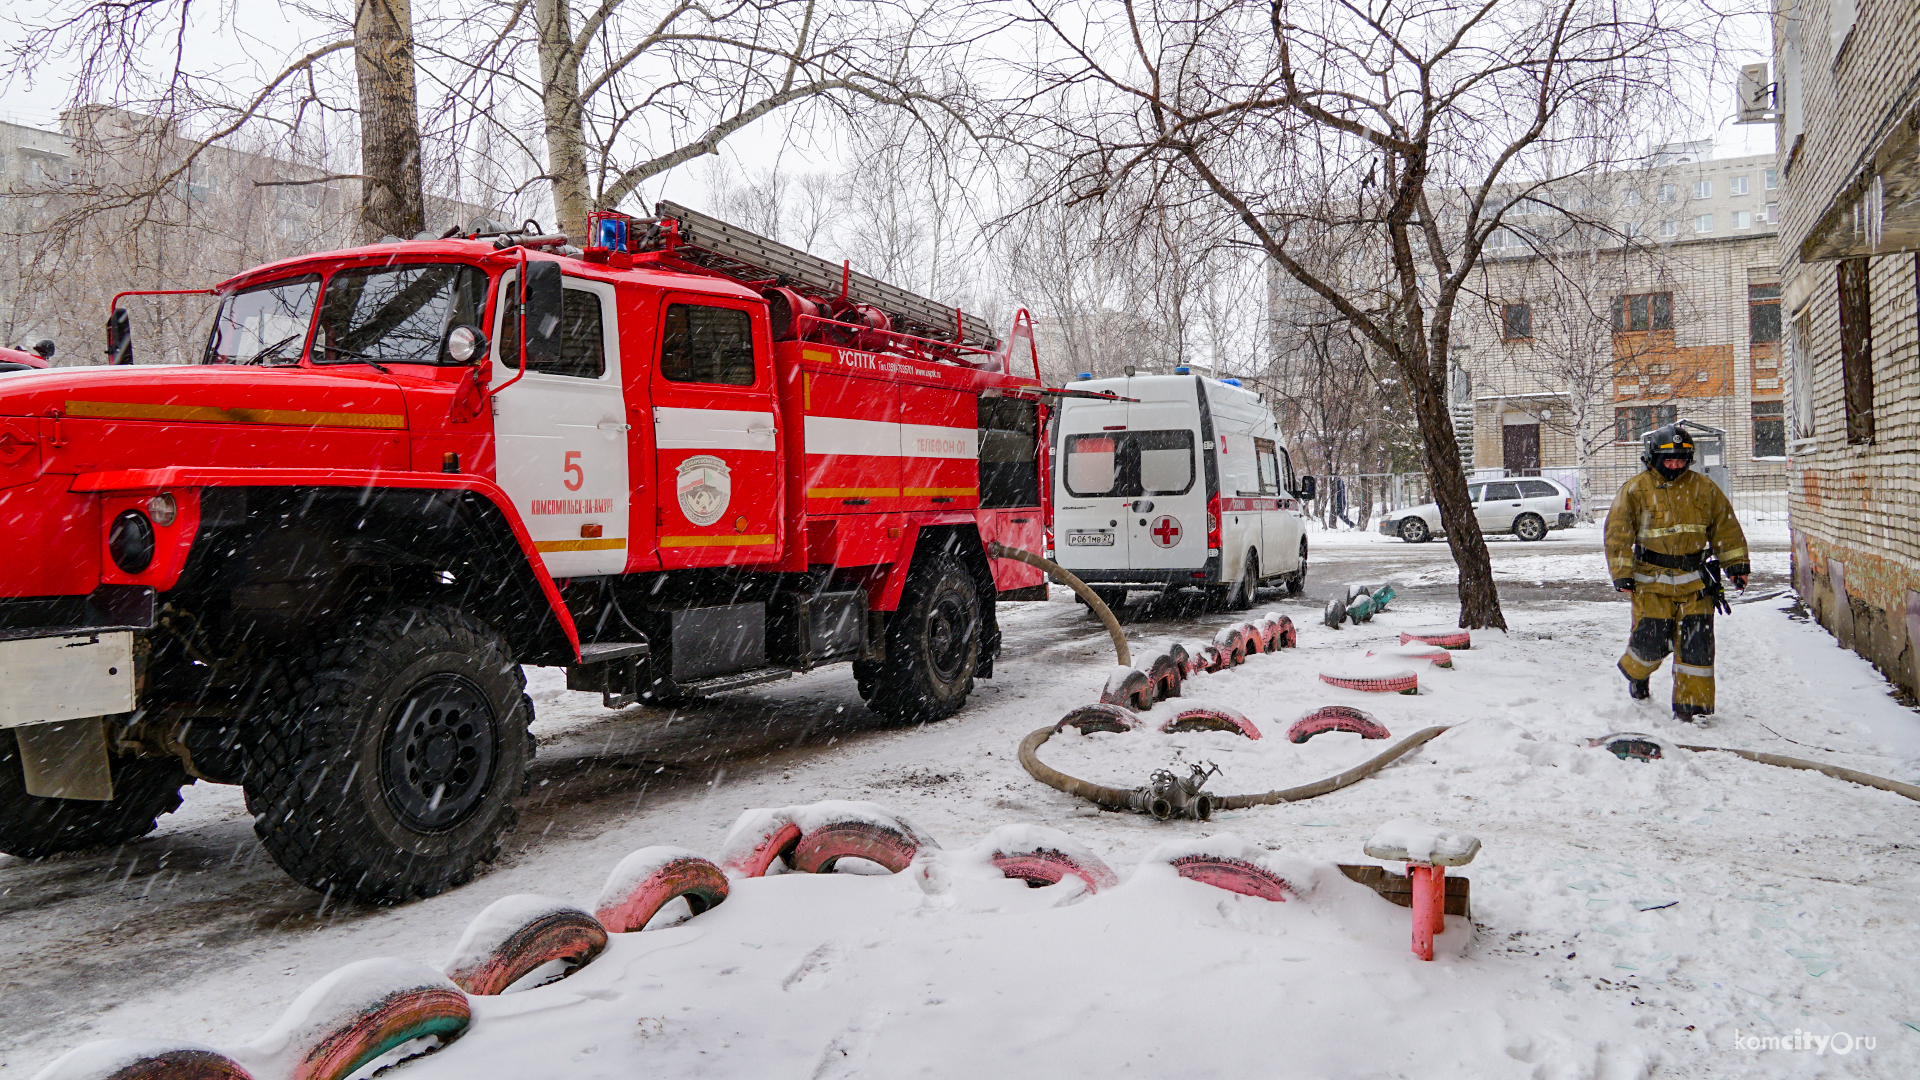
<point x="1793" y="891"/>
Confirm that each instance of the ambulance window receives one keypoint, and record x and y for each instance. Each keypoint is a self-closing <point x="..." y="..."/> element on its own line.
<point x="702" y="344"/>
<point x="1090" y="464"/>
<point x="397" y="314"/>
<point x="583" y="337"/>
<point x="1131" y="463"/>
<point x="1263" y="453"/>
<point x="1166" y="461"/>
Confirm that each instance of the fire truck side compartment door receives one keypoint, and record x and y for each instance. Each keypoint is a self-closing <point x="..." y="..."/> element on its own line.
<point x="718" y="458"/>
<point x="562" y="435"/>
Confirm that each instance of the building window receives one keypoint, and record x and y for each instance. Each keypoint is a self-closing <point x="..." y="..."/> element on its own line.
<point x="1629" y="229"/>
<point x="1737" y="185"/>
<point x="1763" y="313"/>
<point x="1769" y="429"/>
<point x="1856" y="347"/>
<point x="1773" y="179"/>
<point x="1742" y="219"/>
<point x="1667" y="192"/>
<point x="1630" y="198"/>
<point x="1669" y="228"/>
<point x="1771" y="215"/>
<point x="1703" y="189"/>
<point x="1703" y="223"/>
<point x="1633" y="421"/>
<point x="1516" y="322"/>
<point x="1643" y="311"/>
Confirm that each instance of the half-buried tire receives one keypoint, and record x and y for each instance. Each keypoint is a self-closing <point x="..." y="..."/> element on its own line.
<point x="649" y="879"/>
<point x="1373" y="679"/>
<point x="143" y="1059"/>
<point x="1336" y="718"/>
<point x="1211" y="718"/>
<point x="514" y="935"/>
<point x="1444" y="636"/>
<point x="1233" y="875"/>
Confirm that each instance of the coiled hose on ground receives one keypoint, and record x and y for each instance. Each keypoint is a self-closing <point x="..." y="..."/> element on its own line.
<point x="1118" y="799"/>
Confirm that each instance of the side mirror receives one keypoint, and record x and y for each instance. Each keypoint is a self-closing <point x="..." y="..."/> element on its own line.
<point x="1306" y="488"/>
<point x="464" y="343"/>
<point x="541" y="315"/>
<point x="119" y="337"/>
<point x="44" y="347"/>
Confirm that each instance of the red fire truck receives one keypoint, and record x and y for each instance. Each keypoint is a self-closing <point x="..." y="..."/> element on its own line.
<point x="682" y="460"/>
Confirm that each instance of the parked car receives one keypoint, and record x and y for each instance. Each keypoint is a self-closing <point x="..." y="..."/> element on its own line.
<point x="1528" y="507"/>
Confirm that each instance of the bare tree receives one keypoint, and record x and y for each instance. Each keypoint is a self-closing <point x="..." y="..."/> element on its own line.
<point x="1355" y="122"/>
<point x="391" y="199"/>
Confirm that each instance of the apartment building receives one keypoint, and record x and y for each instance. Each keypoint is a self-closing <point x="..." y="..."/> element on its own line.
<point x="1848" y="101"/>
<point x="1622" y="302"/>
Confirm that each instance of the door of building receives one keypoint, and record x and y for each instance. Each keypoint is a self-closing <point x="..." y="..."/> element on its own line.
<point x="1520" y="449"/>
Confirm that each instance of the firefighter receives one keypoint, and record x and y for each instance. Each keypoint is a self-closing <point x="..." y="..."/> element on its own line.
<point x="1662" y="528"/>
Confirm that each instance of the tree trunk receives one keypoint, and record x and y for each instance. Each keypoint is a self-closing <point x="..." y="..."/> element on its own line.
<point x="1479" y="599"/>
<point x="560" y="101"/>
<point x="391" y="203"/>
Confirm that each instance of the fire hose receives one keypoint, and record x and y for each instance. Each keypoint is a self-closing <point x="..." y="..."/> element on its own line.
<point x="1064" y="577"/>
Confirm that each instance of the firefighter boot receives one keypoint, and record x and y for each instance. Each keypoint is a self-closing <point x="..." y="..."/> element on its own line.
<point x="1693" y="660"/>
<point x="1636" y="688"/>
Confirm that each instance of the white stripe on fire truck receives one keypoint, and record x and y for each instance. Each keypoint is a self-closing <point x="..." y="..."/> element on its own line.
<point x="881" y="438"/>
<point x="712" y="429"/>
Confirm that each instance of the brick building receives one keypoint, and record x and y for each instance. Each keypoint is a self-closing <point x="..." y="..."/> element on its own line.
<point x="1848" y="82"/>
<point x="1623" y="302"/>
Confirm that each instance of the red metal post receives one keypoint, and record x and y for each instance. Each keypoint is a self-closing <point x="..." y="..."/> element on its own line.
<point x="1429" y="905"/>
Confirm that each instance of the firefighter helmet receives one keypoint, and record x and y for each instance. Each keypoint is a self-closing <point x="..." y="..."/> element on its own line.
<point x="1660" y="444"/>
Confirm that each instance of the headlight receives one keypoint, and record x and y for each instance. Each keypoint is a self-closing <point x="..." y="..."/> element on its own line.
<point x="163" y="508"/>
<point x="130" y="542"/>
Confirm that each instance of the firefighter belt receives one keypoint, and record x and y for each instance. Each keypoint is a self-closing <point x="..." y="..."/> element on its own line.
<point x="1682" y="625"/>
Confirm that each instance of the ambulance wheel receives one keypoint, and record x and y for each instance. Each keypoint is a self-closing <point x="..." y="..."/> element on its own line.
<point x="1240" y="594"/>
<point x="1296" y="582"/>
<point x="32" y="827"/>
<point x="1414" y="531"/>
<point x="1530" y="527"/>
<point x="386" y="761"/>
<point x="933" y="645"/>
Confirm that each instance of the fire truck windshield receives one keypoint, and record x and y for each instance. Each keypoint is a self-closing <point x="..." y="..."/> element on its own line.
<point x="397" y="314"/>
<point x="264" y="325"/>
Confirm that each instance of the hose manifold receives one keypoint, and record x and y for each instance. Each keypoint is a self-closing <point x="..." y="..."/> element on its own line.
<point x="1169" y="796"/>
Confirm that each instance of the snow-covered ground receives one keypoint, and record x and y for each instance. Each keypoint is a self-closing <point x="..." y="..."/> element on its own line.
<point x="1629" y="919"/>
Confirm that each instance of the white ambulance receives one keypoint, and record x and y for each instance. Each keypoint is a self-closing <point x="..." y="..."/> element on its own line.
<point x="1185" y="485"/>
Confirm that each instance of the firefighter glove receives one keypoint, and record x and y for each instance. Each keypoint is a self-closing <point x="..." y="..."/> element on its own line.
<point x="1624" y="584"/>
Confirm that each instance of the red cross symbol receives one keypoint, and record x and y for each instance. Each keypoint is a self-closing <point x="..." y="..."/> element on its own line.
<point x="1166" y="530"/>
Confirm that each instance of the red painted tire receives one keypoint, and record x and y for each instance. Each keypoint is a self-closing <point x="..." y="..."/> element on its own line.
<point x="517" y="934"/>
<point x="1211" y="718"/>
<point x="890" y="844"/>
<point x="143" y="1059"/>
<point x="1233" y="875"/>
<point x="1438" y="655"/>
<point x="1181" y="658"/>
<point x="1289" y="635"/>
<point x="1130" y="688"/>
<point x="752" y="858"/>
<point x="1381" y="680"/>
<point x="1231" y="644"/>
<point x="1439" y="635"/>
<point x="374" y="1006"/>
<point x="1336" y="718"/>
<point x="652" y="877"/>
<point x="1040" y="865"/>
<point x="1166" y="674"/>
<point x="1088" y="719"/>
<point x="1213" y="658"/>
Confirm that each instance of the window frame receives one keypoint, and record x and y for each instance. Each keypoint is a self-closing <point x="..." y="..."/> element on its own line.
<point x="1265" y="452"/>
<point x="1627" y="430"/>
<point x="1658" y="308"/>
<point x="509" y="344"/>
<point x="1068" y="443"/>
<point x="1738" y="185"/>
<point x="756" y="364"/>
<point x="1507" y="322"/>
<point x="1854" y="298"/>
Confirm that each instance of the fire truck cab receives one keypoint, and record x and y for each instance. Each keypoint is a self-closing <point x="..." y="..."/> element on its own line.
<point x="682" y="460"/>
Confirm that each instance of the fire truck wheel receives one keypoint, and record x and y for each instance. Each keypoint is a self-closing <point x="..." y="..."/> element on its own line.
<point x="32" y="827"/>
<point x="866" y="676"/>
<point x="933" y="644"/>
<point x="385" y="764"/>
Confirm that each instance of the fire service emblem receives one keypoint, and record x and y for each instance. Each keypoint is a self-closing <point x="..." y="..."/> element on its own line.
<point x="704" y="487"/>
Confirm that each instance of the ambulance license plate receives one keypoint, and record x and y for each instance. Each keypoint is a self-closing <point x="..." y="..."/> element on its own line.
<point x="1089" y="539"/>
